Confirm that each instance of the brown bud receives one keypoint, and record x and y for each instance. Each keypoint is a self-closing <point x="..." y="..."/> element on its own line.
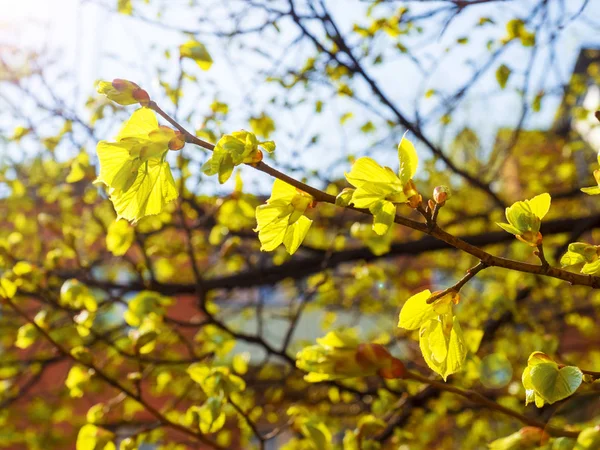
<point x="258" y="157"/>
<point x="123" y="92"/>
<point x="178" y="142"/>
<point x="530" y="238"/>
<point x="129" y="87"/>
<point x="372" y="355"/>
<point x="533" y="435"/>
<point x="396" y="370"/>
<point x="441" y="194"/>
<point x="415" y="201"/>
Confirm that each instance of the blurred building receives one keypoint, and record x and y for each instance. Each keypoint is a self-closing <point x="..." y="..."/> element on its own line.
<point x="561" y="156"/>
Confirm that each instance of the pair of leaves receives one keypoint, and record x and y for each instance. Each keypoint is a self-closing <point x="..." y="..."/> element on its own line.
<point x="525" y="218"/>
<point x="440" y="336"/>
<point x="340" y="355"/>
<point x="281" y="220"/>
<point x="582" y="255"/>
<point x="546" y="382"/>
<point x="134" y="168"/>
<point x="379" y="189"/>
<point x="234" y="149"/>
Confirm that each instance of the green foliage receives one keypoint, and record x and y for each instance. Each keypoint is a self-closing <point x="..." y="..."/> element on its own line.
<point x="119" y="237"/>
<point x="134" y="169"/>
<point x="582" y="256"/>
<point x="594" y="190"/>
<point x="341" y="355"/>
<point x="91" y="437"/>
<point x="240" y="147"/>
<point x="216" y="381"/>
<point x="547" y="382"/>
<point x="379" y="189"/>
<point x="525" y="438"/>
<point x="502" y="75"/>
<point x="516" y="29"/>
<point x="440" y="335"/>
<point x="167" y="325"/>
<point x="197" y="52"/>
<point x="281" y="220"/>
<point x="525" y="218"/>
<point x="145" y="305"/>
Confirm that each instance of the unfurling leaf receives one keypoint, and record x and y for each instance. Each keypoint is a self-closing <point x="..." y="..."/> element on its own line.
<point x="281" y="220"/>
<point x="379" y="189"/>
<point x="239" y="147"/>
<point x="134" y="168"/>
<point x="123" y="92"/>
<point x="525" y="218"/>
<point x="440" y="336"/>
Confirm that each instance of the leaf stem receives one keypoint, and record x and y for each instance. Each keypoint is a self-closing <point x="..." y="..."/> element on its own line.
<point x="471" y="273"/>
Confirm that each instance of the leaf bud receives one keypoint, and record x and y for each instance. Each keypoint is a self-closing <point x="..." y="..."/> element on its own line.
<point x="441" y="194"/>
<point x="123" y="92"/>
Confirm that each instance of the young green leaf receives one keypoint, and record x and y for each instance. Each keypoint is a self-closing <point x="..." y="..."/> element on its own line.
<point x="239" y="147"/>
<point x="502" y="75"/>
<point x="440" y="337"/>
<point x="134" y="169"/>
<point x="379" y="189"/>
<point x="281" y="220"/>
<point x="525" y="218"/>
<point x="196" y="51"/>
<point x="546" y="382"/>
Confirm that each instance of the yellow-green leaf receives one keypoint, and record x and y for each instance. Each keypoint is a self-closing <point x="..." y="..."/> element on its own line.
<point x="554" y="384"/>
<point x="409" y="159"/>
<point x="92" y="437"/>
<point x="153" y="188"/>
<point x="502" y="75"/>
<point x="197" y="51"/>
<point x="119" y="238"/>
<point x="540" y="205"/>
<point x="384" y="213"/>
<point x="416" y="311"/>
